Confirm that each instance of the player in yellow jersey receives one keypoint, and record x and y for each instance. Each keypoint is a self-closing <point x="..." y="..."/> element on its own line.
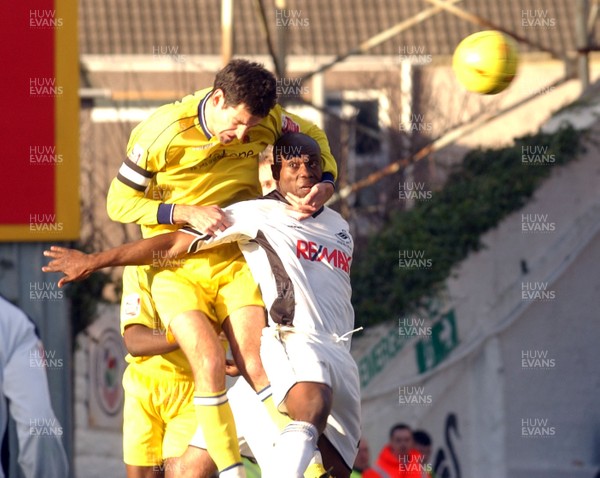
<point x="158" y="413"/>
<point x="158" y="410"/>
<point x="201" y="154"/>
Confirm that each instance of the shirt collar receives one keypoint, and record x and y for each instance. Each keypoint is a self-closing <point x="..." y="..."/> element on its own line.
<point x="202" y="115"/>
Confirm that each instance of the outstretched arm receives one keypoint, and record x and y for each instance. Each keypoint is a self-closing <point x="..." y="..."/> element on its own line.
<point x="77" y="265"/>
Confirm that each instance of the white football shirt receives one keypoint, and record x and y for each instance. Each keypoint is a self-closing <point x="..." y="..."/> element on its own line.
<point x="302" y="267"/>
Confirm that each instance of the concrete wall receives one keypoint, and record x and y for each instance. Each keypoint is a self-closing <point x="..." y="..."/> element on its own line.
<point x="562" y="392"/>
<point x="526" y="295"/>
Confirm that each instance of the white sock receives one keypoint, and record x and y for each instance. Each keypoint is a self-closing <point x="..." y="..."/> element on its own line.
<point x="237" y="471"/>
<point x="293" y="450"/>
<point x="316" y="458"/>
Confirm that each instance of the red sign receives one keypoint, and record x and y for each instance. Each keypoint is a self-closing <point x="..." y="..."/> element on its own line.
<point x="40" y="121"/>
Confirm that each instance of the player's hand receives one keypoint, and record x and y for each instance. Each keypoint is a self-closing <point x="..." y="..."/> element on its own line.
<point x="231" y="368"/>
<point x="208" y="219"/>
<point x="74" y="264"/>
<point x="305" y="207"/>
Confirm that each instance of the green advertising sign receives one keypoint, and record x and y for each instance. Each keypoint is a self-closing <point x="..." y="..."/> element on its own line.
<point x="437" y="338"/>
<point x="434" y="348"/>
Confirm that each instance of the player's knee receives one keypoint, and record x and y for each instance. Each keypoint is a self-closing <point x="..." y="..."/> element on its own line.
<point x="194" y="464"/>
<point x="212" y="364"/>
<point x="321" y="412"/>
<point x="310" y="402"/>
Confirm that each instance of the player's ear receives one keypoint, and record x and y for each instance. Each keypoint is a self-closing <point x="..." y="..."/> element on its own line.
<point x="218" y="97"/>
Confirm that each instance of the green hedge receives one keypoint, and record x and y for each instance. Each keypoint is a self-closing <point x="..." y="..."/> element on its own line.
<point x="486" y="187"/>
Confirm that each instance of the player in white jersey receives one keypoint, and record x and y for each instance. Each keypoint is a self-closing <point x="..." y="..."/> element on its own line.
<point x="303" y="269"/>
<point x="24" y="393"/>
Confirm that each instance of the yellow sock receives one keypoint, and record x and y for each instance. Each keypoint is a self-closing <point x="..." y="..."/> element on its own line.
<point x="216" y="419"/>
<point x="316" y="470"/>
<point x="280" y="419"/>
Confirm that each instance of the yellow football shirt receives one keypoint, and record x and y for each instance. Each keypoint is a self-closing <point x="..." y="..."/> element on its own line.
<point x="173" y="159"/>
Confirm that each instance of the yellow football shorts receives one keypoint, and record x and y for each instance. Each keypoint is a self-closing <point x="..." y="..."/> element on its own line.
<point x="216" y="281"/>
<point x="160" y="417"/>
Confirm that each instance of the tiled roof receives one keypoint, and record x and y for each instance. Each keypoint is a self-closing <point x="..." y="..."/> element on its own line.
<point x="316" y="27"/>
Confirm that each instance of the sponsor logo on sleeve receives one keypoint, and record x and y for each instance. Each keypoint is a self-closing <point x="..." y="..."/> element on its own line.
<point x="131" y="306"/>
<point x="288" y="125"/>
<point x="136" y="153"/>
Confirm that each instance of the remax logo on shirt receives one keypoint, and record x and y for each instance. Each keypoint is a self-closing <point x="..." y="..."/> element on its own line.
<point x="318" y="253"/>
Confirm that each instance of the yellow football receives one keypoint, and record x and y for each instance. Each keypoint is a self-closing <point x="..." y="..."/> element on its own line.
<point x="486" y="62"/>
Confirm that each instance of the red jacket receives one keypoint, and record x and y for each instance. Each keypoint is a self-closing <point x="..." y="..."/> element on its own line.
<point x="390" y="465"/>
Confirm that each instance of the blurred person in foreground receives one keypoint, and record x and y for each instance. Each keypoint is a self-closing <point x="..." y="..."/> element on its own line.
<point x="24" y="393"/>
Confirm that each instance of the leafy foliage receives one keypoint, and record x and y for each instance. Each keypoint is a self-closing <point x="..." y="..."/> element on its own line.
<point x="486" y="187"/>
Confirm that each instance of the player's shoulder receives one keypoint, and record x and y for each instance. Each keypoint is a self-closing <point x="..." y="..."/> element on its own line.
<point x="262" y="205"/>
<point x="14" y="318"/>
<point x="280" y="121"/>
<point x="242" y="206"/>
<point x="334" y="216"/>
<point x="7" y="308"/>
<point x="177" y="112"/>
<point x="270" y="124"/>
<point x="336" y="224"/>
<point x="168" y="121"/>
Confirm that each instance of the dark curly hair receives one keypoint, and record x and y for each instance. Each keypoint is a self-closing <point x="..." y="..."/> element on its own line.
<point x="249" y="83"/>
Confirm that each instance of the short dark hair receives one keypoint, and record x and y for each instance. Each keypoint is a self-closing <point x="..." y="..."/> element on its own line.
<point x="399" y="426"/>
<point x="291" y="144"/>
<point x="249" y="83"/>
<point x="421" y="437"/>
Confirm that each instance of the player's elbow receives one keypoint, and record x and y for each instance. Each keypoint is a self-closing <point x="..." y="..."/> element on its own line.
<point x="134" y="350"/>
<point x="133" y="344"/>
<point x="130" y="345"/>
<point x="135" y="353"/>
<point x="114" y="213"/>
<point x="114" y="209"/>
